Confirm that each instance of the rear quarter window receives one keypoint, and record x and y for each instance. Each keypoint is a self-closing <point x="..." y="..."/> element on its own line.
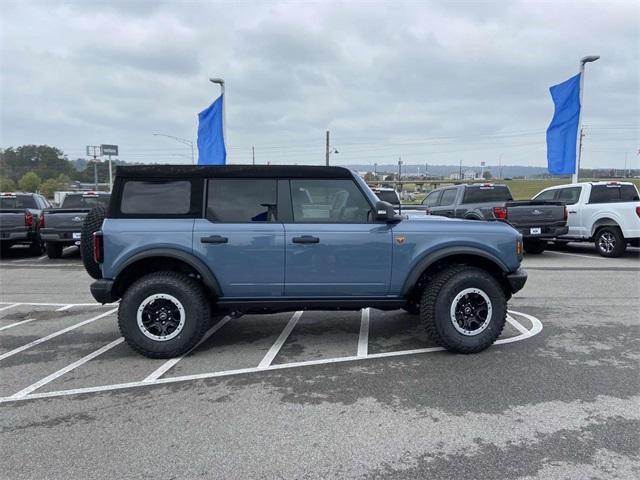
<point x="157" y="198"/>
<point x="613" y="194"/>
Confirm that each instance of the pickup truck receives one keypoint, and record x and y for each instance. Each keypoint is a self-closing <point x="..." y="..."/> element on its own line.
<point x="61" y="227"/>
<point x="537" y="220"/>
<point x="607" y="213"/>
<point x="182" y="243"/>
<point x="20" y="220"/>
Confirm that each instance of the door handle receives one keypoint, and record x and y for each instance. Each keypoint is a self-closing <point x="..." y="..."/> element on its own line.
<point x="572" y="211"/>
<point x="214" y="239"/>
<point x="306" y="239"/>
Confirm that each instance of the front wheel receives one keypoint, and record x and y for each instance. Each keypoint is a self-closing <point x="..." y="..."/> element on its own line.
<point x="464" y="309"/>
<point x="610" y="242"/>
<point x="163" y="314"/>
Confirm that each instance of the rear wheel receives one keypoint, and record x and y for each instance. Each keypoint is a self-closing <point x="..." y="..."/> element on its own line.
<point x="464" y="309"/>
<point x="163" y="314"/>
<point x="54" y="249"/>
<point x="36" y="247"/>
<point x="534" y="246"/>
<point x="610" y="242"/>
<point x="92" y="223"/>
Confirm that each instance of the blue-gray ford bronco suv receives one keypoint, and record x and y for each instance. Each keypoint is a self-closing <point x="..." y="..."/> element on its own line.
<point x="180" y="245"/>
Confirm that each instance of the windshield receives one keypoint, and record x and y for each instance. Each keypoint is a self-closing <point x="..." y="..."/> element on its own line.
<point x="85" y="201"/>
<point x="18" y="201"/>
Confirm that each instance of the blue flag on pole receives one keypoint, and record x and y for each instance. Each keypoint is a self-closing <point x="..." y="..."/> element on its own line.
<point x="563" y="129"/>
<point x="211" y="147"/>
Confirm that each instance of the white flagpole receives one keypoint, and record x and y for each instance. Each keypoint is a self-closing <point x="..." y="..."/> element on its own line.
<point x="220" y="82"/>
<point x="590" y="58"/>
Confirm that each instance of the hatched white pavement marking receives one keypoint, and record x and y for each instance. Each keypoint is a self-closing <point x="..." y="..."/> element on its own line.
<point x="363" y="338"/>
<point x="162" y="369"/>
<point x="275" y="348"/>
<point x="536" y="328"/>
<point x="10" y="306"/>
<point x="17" y="323"/>
<point x="55" y="334"/>
<point x="67" y="369"/>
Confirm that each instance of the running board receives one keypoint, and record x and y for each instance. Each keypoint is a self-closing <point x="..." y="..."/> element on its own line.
<point x="269" y="305"/>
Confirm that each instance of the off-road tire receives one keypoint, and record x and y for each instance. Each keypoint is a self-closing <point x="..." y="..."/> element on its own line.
<point x="613" y="234"/>
<point x="535" y="247"/>
<point x="187" y="291"/>
<point x="54" y="249"/>
<point x="92" y="223"/>
<point x="436" y="303"/>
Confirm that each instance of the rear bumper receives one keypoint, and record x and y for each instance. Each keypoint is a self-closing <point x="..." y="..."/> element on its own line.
<point x="19" y="236"/>
<point x="517" y="280"/>
<point x="55" y="235"/>
<point x="545" y="232"/>
<point x="102" y="291"/>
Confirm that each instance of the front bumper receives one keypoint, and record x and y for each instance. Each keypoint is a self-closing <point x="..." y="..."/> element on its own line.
<point x="517" y="280"/>
<point x="102" y="291"/>
<point x="545" y="232"/>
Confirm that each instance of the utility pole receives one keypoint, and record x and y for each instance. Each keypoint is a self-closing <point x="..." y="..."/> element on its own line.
<point x="400" y="173"/>
<point x="426" y="170"/>
<point x="92" y="151"/>
<point x="500" y="167"/>
<point x="326" y="154"/>
<point x="253" y="155"/>
<point x="626" y="172"/>
<point x="460" y="172"/>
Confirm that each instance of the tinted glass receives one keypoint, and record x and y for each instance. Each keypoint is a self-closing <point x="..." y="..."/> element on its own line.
<point x="486" y="194"/>
<point x="388" y="196"/>
<point x="19" y="201"/>
<point x="322" y="201"/>
<point x="568" y="195"/>
<point x="242" y="200"/>
<point x="613" y="193"/>
<point x="448" y="197"/>
<point x="156" y="198"/>
<point x="431" y="200"/>
<point x="546" y="196"/>
<point x="82" y="201"/>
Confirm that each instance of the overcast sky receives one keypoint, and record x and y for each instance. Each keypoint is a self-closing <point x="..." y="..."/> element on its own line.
<point x="435" y="82"/>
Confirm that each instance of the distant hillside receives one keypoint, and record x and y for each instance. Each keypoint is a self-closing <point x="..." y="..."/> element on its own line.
<point x="446" y="170"/>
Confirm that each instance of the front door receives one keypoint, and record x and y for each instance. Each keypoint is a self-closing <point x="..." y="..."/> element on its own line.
<point x="332" y="246"/>
<point x="241" y="239"/>
<point x="570" y="196"/>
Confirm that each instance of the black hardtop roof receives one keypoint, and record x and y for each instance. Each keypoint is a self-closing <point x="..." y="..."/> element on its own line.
<point x="231" y="171"/>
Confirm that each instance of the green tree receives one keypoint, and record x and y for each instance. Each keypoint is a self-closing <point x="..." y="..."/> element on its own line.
<point x="60" y="183"/>
<point x="43" y="160"/>
<point x="29" y="182"/>
<point x="7" y="185"/>
<point x="487" y="175"/>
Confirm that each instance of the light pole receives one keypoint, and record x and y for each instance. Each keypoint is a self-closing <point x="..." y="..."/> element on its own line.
<point x="184" y="141"/>
<point x="583" y="61"/>
<point x="220" y="81"/>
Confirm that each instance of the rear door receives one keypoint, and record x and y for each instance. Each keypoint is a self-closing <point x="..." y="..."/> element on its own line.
<point x="241" y="237"/>
<point x="333" y="247"/>
<point x="446" y="204"/>
<point x="571" y="196"/>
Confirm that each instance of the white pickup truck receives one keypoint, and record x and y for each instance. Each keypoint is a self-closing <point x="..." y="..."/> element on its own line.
<point x="607" y="213"/>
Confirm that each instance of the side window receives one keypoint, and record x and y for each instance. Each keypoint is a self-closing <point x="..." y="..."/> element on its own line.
<point x="172" y="197"/>
<point x="604" y="194"/>
<point x="570" y="195"/>
<point x="448" y="197"/>
<point x="234" y="200"/>
<point x="431" y="200"/>
<point x="628" y="193"/>
<point x="328" y="201"/>
<point x="546" y="196"/>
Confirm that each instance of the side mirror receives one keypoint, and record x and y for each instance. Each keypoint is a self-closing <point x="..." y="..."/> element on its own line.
<point x="386" y="213"/>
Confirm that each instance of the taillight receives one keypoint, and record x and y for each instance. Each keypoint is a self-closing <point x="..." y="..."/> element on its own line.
<point x="28" y="219"/>
<point x="638" y="211"/>
<point x="500" y="213"/>
<point x="98" y="252"/>
<point x="41" y="220"/>
<point x="566" y="213"/>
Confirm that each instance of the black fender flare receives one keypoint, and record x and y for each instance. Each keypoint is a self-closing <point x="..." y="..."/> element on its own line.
<point x="208" y="278"/>
<point x="431" y="258"/>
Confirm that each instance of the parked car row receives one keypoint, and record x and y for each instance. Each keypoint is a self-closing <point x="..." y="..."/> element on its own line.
<point x="29" y="219"/>
<point x="606" y="213"/>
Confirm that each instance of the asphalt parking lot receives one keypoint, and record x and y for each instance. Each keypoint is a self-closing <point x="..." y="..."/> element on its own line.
<point x="325" y="394"/>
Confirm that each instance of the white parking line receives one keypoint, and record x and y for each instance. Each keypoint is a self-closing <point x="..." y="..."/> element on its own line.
<point x="10" y="306"/>
<point x="39" y="304"/>
<point x="576" y="255"/>
<point x="275" y="348"/>
<point x="363" y="338"/>
<point x="164" y="368"/>
<point x="17" y="323"/>
<point x="66" y="307"/>
<point x="517" y="324"/>
<point x="54" y="334"/>
<point x="50" y="378"/>
<point x="42" y="257"/>
<point x="536" y="328"/>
